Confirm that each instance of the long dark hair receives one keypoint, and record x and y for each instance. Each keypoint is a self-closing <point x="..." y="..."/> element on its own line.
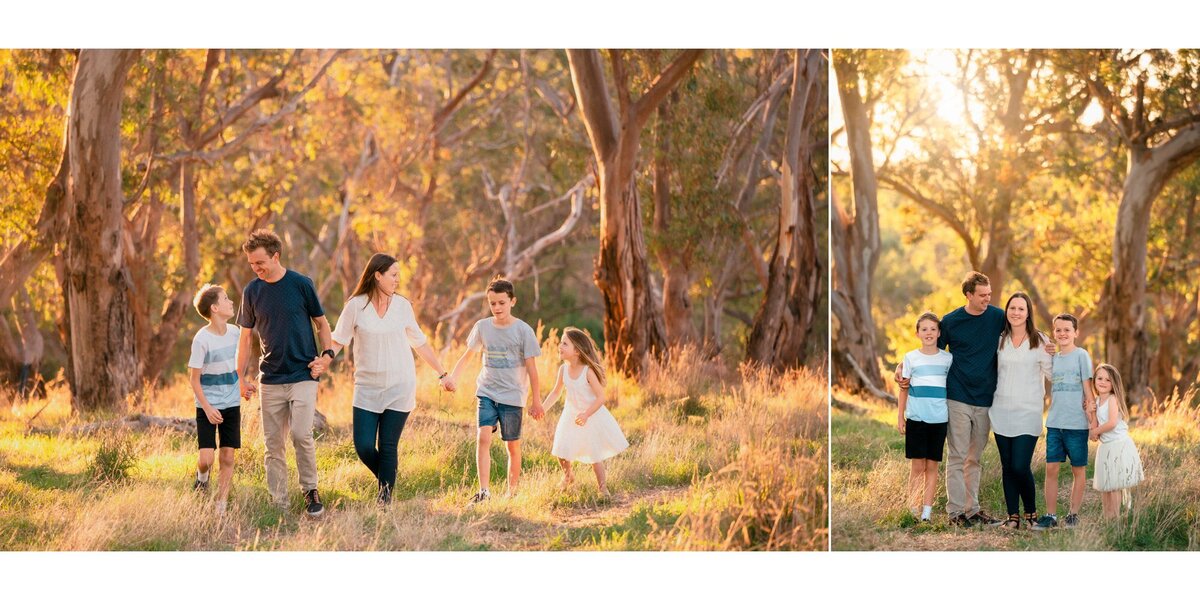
<point x="379" y="263"/>
<point x="1035" y="337"/>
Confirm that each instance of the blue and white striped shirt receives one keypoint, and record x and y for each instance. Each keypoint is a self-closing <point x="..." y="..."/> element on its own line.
<point x="216" y="357"/>
<point x="927" y="388"/>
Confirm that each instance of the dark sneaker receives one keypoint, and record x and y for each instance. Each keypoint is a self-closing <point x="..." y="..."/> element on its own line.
<point x="312" y="504"/>
<point x="200" y="486"/>
<point x="982" y="518"/>
<point x="1045" y="523"/>
<point x="480" y="496"/>
<point x="961" y="521"/>
<point x="385" y="496"/>
<point x="1071" y="521"/>
<point x="925" y="520"/>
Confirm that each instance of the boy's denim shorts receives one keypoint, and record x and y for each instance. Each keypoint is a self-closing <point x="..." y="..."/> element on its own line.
<point x="1064" y="443"/>
<point x="507" y="416"/>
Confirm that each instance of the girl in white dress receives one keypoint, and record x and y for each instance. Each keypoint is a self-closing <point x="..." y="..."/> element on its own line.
<point x="586" y="431"/>
<point x="1118" y="466"/>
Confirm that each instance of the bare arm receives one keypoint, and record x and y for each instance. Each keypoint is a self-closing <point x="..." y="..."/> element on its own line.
<point x="214" y="415"/>
<point x="1114" y="416"/>
<point x="901" y="404"/>
<point x="425" y="351"/>
<point x="1089" y="404"/>
<point x="245" y="339"/>
<point x="555" y="392"/>
<point x="324" y="334"/>
<point x="535" y="390"/>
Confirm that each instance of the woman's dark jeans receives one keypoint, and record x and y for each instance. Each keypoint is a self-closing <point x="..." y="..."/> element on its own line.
<point x="376" y="436"/>
<point x="1016" y="456"/>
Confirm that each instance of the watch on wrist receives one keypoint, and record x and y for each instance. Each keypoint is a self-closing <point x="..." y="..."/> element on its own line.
<point x="328" y="352"/>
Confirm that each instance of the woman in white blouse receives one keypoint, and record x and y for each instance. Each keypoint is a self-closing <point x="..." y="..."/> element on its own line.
<point x="384" y="330"/>
<point x="1016" y="413"/>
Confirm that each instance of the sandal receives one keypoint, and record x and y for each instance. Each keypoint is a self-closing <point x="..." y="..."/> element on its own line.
<point x="1013" y="522"/>
<point x="1031" y="519"/>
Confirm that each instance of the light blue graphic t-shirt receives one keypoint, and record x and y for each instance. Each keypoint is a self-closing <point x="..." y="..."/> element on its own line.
<point x="504" y="350"/>
<point x="927" y="388"/>
<point x="1071" y="372"/>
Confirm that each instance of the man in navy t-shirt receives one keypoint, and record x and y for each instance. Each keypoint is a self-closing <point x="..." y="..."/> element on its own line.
<point x="972" y="333"/>
<point x="282" y="306"/>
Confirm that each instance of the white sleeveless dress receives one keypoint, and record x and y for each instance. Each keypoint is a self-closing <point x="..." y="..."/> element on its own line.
<point x="1118" y="465"/>
<point x="598" y="440"/>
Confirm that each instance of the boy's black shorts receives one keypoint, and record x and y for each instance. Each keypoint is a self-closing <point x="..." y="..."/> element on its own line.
<point x="230" y="430"/>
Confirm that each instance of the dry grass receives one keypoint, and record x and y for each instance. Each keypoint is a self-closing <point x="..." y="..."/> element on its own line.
<point x="719" y="459"/>
<point x="870" y="472"/>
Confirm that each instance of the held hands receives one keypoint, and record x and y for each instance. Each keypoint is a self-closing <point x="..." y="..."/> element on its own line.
<point x="448" y="384"/>
<point x="536" y="410"/>
<point x="900" y="380"/>
<point x="319" y="365"/>
<point x="248" y="388"/>
<point x="214" y="415"/>
<point x="1092" y="435"/>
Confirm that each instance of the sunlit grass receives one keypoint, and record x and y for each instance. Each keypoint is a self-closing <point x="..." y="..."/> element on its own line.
<point x="720" y="458"/>
<point x="870" y="472"/>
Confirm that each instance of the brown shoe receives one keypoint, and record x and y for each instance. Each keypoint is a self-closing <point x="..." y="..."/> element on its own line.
<point x="1012" y="522"/>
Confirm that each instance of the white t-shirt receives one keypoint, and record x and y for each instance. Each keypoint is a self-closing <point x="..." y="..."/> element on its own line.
<point x="385" y="374"/>
<point x="1021" y="374"/>
<point x="216" y="357"/>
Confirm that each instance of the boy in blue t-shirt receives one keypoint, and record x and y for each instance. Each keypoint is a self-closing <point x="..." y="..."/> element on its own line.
<point x="1068" y="421"/>
<point x="212" y="367"/>
<point x="922" y="414"/>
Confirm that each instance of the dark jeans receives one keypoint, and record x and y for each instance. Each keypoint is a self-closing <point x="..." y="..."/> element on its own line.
<point x="1016" y="454"/>
<point x="376" y="436"/>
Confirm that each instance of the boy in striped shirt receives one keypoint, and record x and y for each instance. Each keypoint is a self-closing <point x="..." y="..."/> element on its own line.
<point x="212" y="367"/>
<point x="922" y="414"/>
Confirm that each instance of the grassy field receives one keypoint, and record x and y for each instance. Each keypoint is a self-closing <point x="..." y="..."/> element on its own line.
<point x="869" y="472"/>
<point x="720" y="458"/>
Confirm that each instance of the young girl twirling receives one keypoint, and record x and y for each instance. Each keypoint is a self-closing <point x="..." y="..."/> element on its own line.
<point x="586" y="431"/>
<point x="1118" y="466"/>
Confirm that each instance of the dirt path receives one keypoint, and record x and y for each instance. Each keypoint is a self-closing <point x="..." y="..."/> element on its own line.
<point x="505" y="535"/>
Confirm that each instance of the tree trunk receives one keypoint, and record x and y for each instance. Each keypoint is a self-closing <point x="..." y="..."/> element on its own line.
<point x="1124" y="295"/>
<point x="854" y="244"/>
<point x="633" y="325"/>
<point x="104" y="355"/>
<point x="787" y="313"/>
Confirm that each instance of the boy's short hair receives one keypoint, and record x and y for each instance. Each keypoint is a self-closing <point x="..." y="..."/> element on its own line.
<point x="973" y="279"/>
<point x="205" y="298"/>
<point x="265" y="239"/>
<point x="500" y="285"/>
<point x="929" y="316"/>
<point x="1068" y="317"/>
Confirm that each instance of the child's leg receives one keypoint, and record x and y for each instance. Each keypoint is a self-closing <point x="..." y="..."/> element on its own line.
<point x="225" y="477"/>
<point x="205" y="462"/>
<point x="931" y="481"/>
<point x="1078" y="481"/>
<point x="483" y="456"/>
<point x="568" y="475"/>
<point x="514" y="464"/>
<point x="916" y="483"/>
<point x="1052" y="487"/>
<point x="1106" y="504"/>
<point x="600" y="477"/>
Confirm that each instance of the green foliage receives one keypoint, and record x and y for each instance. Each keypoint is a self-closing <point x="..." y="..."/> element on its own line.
<point x="114" y="459"/>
